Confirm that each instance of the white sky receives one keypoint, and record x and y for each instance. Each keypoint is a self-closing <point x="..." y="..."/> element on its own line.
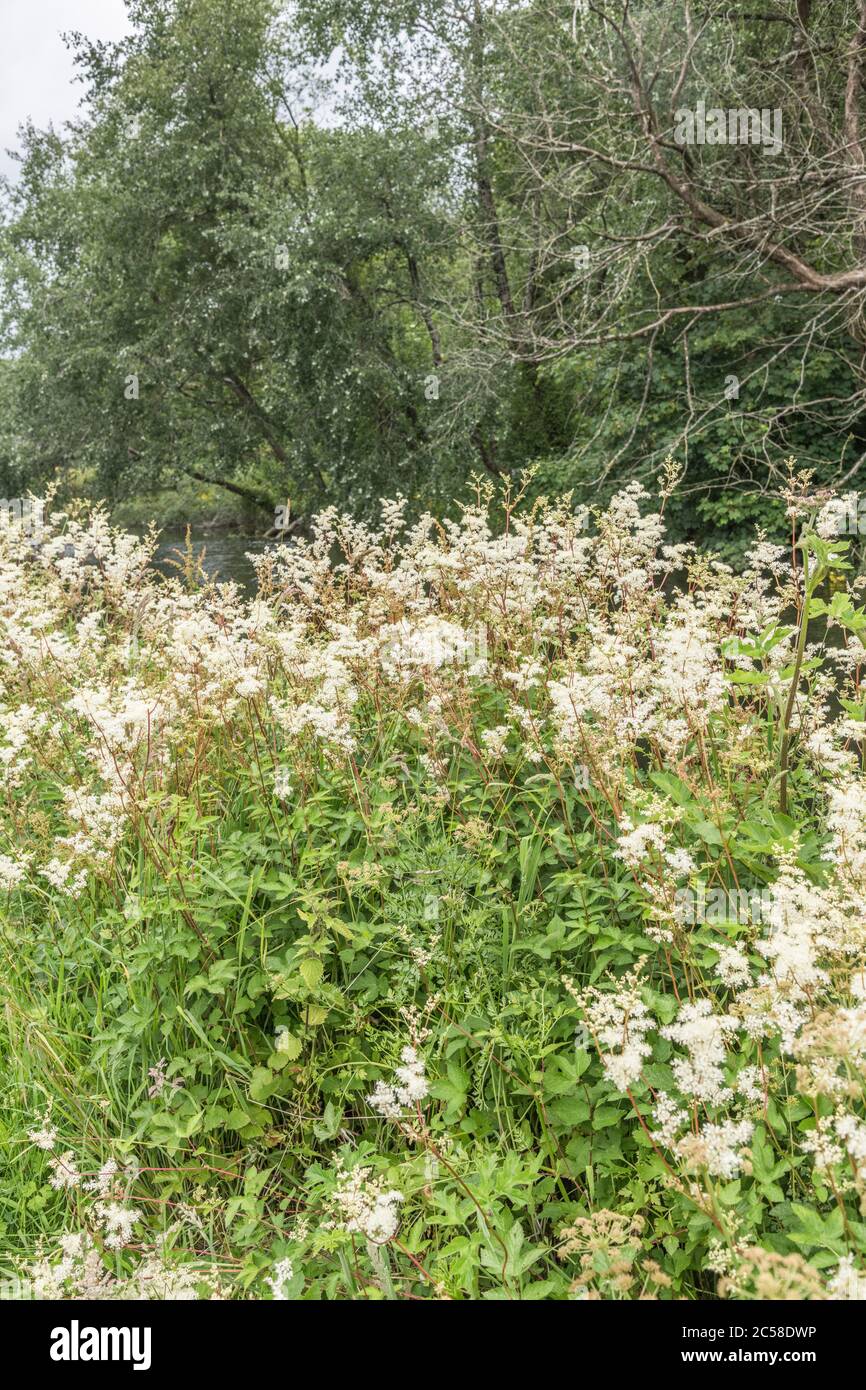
<point x="36" y="71"/>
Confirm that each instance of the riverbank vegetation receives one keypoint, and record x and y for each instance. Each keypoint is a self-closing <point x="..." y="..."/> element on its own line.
<point x="468" y="914"/>
<point x="332" y="248"/>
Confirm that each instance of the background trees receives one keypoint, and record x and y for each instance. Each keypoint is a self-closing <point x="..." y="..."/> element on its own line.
<point x="483" y="247"/>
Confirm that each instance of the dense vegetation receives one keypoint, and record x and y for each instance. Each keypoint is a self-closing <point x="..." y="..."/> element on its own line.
<point x="476" y="245"/>
<point x="474" y="910"/>
<point x="460" y="917"/>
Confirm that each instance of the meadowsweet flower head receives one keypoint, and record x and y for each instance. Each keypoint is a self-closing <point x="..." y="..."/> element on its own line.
<point x="635" y="841"/>
<point x="118" y="1222"/>
<point x="733" y="967"/>
<point x="65" y="1171"/>
<point x="104" y="1180"/>
<point x="283" y="784"/>
<point x="717" y="1147"/>
<point x="283" y="1273"/>
<point x="410" y="1087"/>
<point x="702" y="1032"/>
<point x="670" y="1118"/>
<point x="619" y="1021"/>
<point x="366" y="1206"/>
<point x="45" y="1137"/>
<point x="681" y="862"/>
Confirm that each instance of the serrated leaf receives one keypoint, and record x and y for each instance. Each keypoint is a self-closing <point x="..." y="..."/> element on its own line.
<point x="312" y="971"/>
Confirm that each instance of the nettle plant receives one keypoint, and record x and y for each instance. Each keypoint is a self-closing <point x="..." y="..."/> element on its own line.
<point x="353" y="938"/>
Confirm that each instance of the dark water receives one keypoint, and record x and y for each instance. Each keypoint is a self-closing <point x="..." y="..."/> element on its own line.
<point x="223" y="554"/>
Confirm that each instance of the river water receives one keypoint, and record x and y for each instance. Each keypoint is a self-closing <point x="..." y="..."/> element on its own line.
<point x="224" y="554"/>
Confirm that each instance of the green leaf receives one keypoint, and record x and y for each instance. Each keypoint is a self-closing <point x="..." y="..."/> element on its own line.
<point x="312" y="970"/>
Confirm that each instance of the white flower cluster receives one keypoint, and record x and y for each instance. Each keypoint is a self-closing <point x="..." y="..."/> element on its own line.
<point x="702" y="1032"/>
<point x="118" y="1222"/>
<point x="619" y="1021"/>
<point x="45" y="1137"/>
<point x="717" y="1147"/>
<point x="284" y="1273"/>
<point x="634" y="842"/>
<point x="366" y="1206"/>
<point x="77" y="1270"/>
<point x="409" y="1088"/>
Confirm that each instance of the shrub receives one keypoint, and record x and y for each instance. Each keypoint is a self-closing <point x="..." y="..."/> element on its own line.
<point x="355" y="935"/>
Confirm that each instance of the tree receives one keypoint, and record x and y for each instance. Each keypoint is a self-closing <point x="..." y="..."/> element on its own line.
<point x="201" y="282"/>
<point x="582" y="235"/>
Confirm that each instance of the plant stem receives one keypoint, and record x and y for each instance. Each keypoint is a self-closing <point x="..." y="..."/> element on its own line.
<point x="808" y="590"/>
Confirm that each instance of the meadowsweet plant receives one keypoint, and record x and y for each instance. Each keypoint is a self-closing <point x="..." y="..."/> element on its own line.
<point x="475" y="911"/>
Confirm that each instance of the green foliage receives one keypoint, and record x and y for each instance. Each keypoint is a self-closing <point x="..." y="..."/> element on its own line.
<point x="319" y="308"/>
<point x="347" y="970"/>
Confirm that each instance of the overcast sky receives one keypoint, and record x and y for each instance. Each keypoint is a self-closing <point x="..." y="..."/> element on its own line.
<point x="36" y="72"/>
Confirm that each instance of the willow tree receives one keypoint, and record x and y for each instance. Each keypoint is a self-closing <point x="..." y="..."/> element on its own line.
<point x="201" y="282"/>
